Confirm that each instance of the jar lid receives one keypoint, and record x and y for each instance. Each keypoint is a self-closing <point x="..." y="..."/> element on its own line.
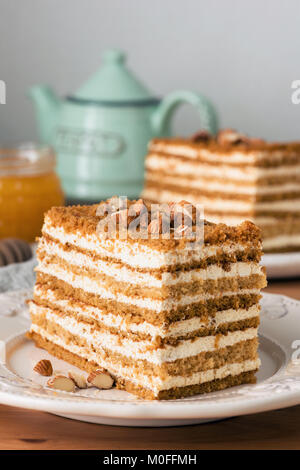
<point x="114" y="84"/>
<point x="27" y="159"/>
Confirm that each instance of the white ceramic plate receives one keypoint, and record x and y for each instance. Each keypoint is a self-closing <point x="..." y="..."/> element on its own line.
<point x="282" y="265"/>
<point x="278" y="381"/>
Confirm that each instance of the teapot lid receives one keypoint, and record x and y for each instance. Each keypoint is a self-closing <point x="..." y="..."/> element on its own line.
<point x="114" y="84"/>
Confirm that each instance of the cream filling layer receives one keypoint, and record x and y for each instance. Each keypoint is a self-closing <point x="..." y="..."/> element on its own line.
<point x="143" y="350"/>
<point x="153" y="383"/>
<point x="123" y="274"/>
<point x="217" y="186"/>
<point x="237" y="219"/>
<point x="281" y="242"/>
<point x="174" y="166"/>
<point x="94" y="286"/>
<point x="111" y="320"/>
<point x="134" y="254"/>
<point x="222" y="204"/>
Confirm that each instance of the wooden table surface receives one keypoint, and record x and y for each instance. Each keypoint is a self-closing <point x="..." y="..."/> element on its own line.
<point x="24" y="429"/>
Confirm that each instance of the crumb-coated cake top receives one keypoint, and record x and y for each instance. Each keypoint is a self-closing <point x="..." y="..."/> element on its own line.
<point x="182" y="219"/>
<point x="226" y="141"/>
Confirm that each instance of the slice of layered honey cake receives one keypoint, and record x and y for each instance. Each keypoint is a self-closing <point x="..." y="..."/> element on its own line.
<point x="168" y="313"/>
<point x="235" y="178"/>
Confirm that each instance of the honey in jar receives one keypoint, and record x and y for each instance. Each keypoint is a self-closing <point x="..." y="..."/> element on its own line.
<point x="29" y="186"/>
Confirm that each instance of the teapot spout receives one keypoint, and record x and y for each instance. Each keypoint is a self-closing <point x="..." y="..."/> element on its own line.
<point x="47" y="105"/>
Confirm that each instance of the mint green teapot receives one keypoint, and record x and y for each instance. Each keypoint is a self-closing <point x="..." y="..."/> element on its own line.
<point x="101" y="133"/>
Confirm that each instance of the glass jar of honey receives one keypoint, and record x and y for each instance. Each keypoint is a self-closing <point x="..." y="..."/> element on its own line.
<point x="29" y="186"/>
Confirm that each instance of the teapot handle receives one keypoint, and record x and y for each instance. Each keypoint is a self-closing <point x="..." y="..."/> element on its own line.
<point x="162" y="116"/>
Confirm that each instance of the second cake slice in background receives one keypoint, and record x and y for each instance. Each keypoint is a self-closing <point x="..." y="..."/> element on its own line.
<point x="236" y="178"/>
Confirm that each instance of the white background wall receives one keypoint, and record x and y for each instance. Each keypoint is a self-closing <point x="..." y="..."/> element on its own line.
<point x="243" y="54"/>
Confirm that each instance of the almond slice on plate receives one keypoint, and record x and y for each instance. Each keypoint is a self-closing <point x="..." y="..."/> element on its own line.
<point x="100" y="378"/>
<point x="61" y="382"/>
<point x="44" y="367"/>
<point x="78" y="379"/>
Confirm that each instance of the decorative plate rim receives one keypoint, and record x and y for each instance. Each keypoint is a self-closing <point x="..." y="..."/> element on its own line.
<point x="279" y="391"/>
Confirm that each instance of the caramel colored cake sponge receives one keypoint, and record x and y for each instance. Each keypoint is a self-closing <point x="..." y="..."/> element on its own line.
<point x="235" y="178"/>
<point x="166" y="318"/>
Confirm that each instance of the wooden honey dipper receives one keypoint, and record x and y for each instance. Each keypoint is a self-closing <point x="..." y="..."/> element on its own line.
<point x="14" y="250"/>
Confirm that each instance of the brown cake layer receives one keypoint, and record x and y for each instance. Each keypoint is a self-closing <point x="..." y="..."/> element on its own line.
<point x="250" y="252"/>
<point x="188" y="192"/>
<point x="190" y="390"/>
<point x="200" y="287"/>
<point x="139" y="314"/>
<point x="158" y="341"/>
<point x="205" y="360"/>
<point x="123" y="384"/>
<point x="83" y="220"/>
<point x="287" y="226"/>
<point x="251" y="213"/>
<point x="284" y="249"/>
<point x="290" y="159"/>
<point x="157" y="176"/>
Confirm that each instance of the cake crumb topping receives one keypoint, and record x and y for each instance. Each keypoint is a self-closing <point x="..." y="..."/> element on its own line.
<point x="86" y="219"/>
